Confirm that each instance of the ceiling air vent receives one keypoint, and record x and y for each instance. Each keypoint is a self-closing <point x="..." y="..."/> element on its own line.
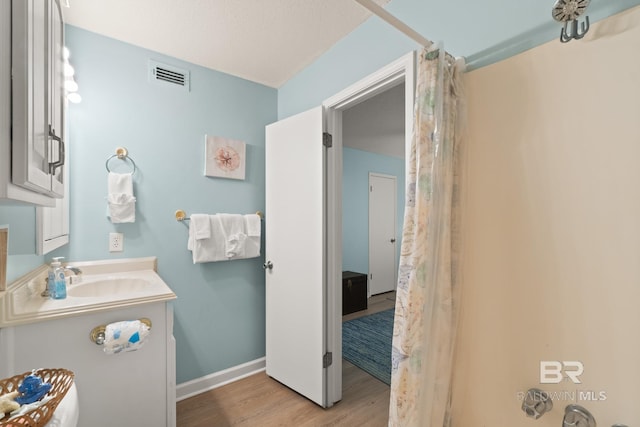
<point x="168" y="75"/>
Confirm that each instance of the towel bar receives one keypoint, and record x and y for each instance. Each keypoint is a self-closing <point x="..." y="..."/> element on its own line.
<point x="122" y="154"/>
<point x="182" y="215"/>
<point x="97" y="334"/>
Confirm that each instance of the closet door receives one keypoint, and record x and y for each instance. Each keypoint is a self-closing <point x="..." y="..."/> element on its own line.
<point x="296" y="335"/>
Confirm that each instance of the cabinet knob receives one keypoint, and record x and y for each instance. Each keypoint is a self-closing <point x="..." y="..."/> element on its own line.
<point x="267" y="265"/>
<point x="393" y="240"/>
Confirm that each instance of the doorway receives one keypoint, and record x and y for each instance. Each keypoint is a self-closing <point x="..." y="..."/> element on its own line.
<point x="318" y="172"/>
<point x="399" y="76"/>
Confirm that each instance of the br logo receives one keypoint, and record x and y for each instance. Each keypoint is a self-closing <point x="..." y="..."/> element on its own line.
<point x="553" y="371"/>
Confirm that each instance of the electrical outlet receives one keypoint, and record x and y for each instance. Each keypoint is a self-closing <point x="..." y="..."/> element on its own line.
<point x="116" y="242"/>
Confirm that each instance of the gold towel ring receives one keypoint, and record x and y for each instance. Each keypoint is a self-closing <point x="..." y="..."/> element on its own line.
<point x="122" y="154"/>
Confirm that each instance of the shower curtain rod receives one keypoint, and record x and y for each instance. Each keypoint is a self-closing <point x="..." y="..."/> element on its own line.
<point x="395" y="22"/>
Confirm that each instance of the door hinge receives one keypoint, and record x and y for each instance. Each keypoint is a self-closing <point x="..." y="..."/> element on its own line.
<point x="327" y="360"/>
<point x="327" y="139"/>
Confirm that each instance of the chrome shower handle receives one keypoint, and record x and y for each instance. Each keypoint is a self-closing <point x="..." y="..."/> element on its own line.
<point x="577" y="416"/>
<point x="536" y="403"/>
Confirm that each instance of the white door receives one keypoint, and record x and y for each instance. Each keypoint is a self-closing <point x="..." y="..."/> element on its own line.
<point x="295" y="254"/>
<point x="382" y="233"/>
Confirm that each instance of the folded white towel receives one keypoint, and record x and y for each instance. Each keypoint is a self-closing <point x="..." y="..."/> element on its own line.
<point x="122" y="208"/>
<point x="228" y="239"/>
<point x="121" y="203"/>
<point x="252" y="247"/>
<point x="253" y="225"/>
<point x="235" y="246"/>
<point x="233" y="227"/>
<point x="67" y="412"/>
<point x="120" y="183"/>
<point x="127" y="335"/>
<point x="208" y="249"/>
<point x="201" y="226"/>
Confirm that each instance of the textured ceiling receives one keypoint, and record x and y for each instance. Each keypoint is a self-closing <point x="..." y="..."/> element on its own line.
<point x="269" y="41"/>
<point x="266" y="41"/>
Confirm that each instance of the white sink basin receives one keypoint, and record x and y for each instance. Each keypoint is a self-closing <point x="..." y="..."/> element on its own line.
<point x="104" y="285"/>
<point x="108" y="287"/>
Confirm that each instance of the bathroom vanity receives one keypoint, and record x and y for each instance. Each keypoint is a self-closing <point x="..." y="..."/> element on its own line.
<point x="127" y="388"/>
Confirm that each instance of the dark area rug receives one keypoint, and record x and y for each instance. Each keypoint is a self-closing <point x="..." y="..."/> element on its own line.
<point x="366" y="342"/>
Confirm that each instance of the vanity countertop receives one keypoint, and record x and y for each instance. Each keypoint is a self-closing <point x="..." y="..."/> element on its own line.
<point x="103" y="285"/>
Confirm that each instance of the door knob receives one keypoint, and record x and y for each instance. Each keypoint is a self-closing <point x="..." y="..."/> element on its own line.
<point x="267" y="265"/>
<point x="393" y="240"/>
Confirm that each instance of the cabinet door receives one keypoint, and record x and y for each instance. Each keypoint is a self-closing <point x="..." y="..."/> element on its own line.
<point x="30" y="53"/>
<point x="38" y="96"/>
<point x="52" y="224"/>
<point x="56" y="98"/>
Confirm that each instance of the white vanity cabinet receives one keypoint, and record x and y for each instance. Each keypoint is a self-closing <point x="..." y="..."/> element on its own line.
<point x="136" y="388"/>
<point x="32" y="100"/>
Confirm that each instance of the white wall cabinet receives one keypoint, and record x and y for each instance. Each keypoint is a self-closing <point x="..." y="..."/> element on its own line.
<point x="32" y="111"/>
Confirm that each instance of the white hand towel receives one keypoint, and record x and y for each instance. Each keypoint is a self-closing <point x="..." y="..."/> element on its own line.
<point x="227" y="240"/>
<point x="120" y="200"/>
<point x="234" y="231"/>
<point x="235" y="246"/>
<point x="253" y="225"/>
<point x="199" y="229"/>
<point x="208" y="249"/>
<point x="201" y="226"/>
<point x="128" y="335"/>
<point x="120" y="183"/>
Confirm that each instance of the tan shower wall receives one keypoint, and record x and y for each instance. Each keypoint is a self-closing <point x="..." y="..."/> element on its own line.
<point x="552" y="230"/>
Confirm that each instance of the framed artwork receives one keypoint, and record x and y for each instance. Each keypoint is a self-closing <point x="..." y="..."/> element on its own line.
<point x="224" y="158"/>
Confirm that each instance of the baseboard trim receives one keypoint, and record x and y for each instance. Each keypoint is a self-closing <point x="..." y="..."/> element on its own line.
<point x="218" y="379"/>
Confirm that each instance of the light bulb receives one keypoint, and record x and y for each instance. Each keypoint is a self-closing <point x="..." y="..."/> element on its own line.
<point x="74" y="97"/>
<point x="70" y="85"/>
<point x="68" y="70"/>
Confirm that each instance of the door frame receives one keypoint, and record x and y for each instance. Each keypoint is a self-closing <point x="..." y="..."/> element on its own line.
<point x="395" y="226"/>
<point x="401" y="70"/>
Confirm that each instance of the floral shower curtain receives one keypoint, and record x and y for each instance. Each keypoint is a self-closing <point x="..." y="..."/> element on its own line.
<point x="428" y="281"/>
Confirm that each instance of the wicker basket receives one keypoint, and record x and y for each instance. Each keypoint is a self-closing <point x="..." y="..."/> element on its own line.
<point x="60" y="380"/>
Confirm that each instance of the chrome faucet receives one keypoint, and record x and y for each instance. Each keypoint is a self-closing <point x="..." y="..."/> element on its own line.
<point x="76" y="274"/>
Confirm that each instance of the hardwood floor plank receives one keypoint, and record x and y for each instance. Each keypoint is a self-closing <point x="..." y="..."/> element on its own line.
<point x="259" y="400"/>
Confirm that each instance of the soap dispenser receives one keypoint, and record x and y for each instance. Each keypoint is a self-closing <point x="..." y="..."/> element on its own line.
<point x="57" y="283"/>
<point x="51" y="276"/>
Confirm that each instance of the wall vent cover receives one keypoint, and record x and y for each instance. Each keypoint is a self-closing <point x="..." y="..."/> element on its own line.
<point x="168" y="75"/>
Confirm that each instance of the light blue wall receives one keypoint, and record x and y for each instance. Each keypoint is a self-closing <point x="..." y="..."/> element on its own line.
<point x="466" y="30"/>
<point x="219" y="314"/>
<point x="357" y="165"/>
